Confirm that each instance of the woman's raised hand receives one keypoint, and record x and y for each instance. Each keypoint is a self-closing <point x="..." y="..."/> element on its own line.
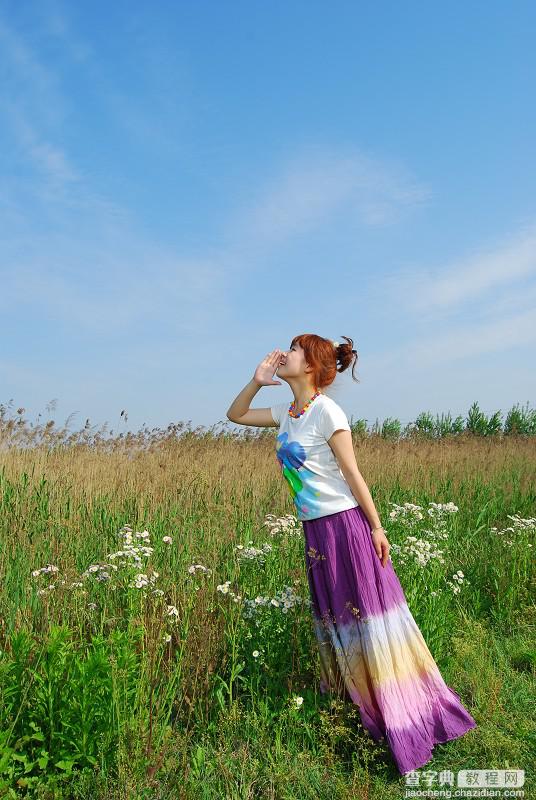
<point x="266" y="369"/>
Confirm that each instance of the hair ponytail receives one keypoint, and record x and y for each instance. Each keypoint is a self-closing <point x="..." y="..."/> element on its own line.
<point x="346" y="355"/>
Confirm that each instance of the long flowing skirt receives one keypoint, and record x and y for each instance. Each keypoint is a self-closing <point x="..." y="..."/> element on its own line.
<point x="371" y="649"/>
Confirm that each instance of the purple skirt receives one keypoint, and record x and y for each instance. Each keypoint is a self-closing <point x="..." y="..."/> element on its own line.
<point x="371" y="650"/>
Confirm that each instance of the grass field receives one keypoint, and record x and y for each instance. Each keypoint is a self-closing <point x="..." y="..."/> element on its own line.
<point x="155" y="633"/>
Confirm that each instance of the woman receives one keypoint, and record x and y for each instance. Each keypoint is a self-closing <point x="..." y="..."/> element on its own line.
<point x="371" y="649"/>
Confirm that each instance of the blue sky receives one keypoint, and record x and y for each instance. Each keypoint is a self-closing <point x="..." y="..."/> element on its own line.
<point x="186" y="186"/>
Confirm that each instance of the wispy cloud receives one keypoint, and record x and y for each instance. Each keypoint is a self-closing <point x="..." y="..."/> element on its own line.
<point x="467" y="279"/>
<point x="55" y="23"/>
<point x="470" y="340"/>
<point x="32" y="112"/>
<point x="453" y="314"/>
<point x="318" y="184"/>
<point x="85" y="262"/>
<point x="110" y="294"/>
<point x="90" y="264"/>
<point x="28" y="85"/>
<point x="49" y="159"/>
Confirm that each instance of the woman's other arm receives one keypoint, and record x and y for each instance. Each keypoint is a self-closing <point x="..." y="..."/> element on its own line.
<point x="343" y="449"/>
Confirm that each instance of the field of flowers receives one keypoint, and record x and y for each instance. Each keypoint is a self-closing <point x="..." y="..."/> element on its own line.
<point x="155" y="633"/>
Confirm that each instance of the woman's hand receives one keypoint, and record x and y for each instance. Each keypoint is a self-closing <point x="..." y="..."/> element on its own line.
<point x="266" y="369"/>
<point x="381" y="545"/>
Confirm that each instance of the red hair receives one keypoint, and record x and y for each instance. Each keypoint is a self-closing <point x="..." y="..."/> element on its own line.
<point x="321" y="355"/>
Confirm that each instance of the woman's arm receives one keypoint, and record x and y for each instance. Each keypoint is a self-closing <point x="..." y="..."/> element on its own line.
<point x="242" y="401"/>
<point x="262" y="377"/>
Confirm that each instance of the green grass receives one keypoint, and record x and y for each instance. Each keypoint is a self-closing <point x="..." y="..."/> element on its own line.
<point x="105" y="695"/>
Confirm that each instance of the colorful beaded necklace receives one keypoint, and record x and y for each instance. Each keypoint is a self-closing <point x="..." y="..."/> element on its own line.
<point x="291" y="410"/>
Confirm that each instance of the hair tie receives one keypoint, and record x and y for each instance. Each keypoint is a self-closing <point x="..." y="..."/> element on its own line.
<point x="337" y="344"/>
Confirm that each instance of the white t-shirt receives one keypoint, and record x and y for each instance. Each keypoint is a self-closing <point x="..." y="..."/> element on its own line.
<point x="307" y="462"/>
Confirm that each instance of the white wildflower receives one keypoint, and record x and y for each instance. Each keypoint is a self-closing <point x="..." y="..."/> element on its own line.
<point x="288" y="525"/>
<point x="193" y="568"/>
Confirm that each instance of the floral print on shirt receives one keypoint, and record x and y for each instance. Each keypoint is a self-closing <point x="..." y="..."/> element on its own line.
<point x="291" y="457"/>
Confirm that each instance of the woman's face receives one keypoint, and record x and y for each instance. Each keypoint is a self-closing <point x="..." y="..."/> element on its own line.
<point x="292" y="362"/>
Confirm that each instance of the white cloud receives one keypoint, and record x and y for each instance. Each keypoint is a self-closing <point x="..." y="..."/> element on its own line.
<point x="55" y="23"/>
<point x="480" y="304"/>
<point x="49" y="159"/>
<point x="315" y="186"/>
<point x="453" y="285"/>
<point x="128" y="288"/>
<point x="27" y="84"/>
<point x="84" y="261"/>
<point x="467" y="341"/>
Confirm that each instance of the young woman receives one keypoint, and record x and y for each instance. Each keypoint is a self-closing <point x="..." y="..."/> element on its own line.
<point x="371" y="649"/>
